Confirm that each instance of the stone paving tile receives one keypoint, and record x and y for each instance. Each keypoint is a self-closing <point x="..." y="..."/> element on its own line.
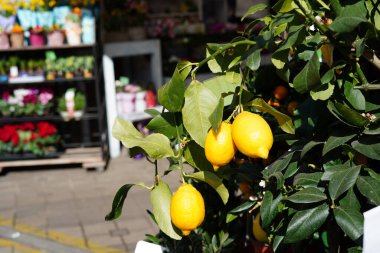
<point x="108" y="240"/>
<point x="73" y="230"/>
<point x="100" y="228"/>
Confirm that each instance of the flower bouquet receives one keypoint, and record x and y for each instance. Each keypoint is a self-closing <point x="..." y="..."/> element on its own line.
<point x="37" y="38"/>
<point x="71" y="105"/>
<point x="73" y="27"/>
<point x="17" y="36"/>
<point x="36" y="138"/>
<point x="26" y="102"/>
<point x="55" y="36"/>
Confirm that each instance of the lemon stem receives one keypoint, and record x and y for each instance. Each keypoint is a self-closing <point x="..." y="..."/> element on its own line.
<point x="180" y="163"/>
<point x="155" y="168"/>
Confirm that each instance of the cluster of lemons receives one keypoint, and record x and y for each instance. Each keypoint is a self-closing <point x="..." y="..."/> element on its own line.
<point x="250" y="134"/>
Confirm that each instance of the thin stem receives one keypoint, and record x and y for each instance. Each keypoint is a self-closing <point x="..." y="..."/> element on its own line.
<point x="219" y="51"/>
<point x="361" y="75"/>
<point x="155" y="168"/>
<point x="368" y="86"/>
<point x="180" y="154"/>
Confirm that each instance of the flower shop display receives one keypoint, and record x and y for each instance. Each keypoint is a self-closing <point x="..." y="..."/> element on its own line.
<point x="37" y="38"/>
<point x="4" y="40"/>
<point x="73" y="28"/>
<point x="35" y="138"/>
<point x="55" y="36"/>
<point x="7" y="15"/>
<point x="26" y="102"/>
<point x="17" y="36"/>
<point x="71" y="105"/>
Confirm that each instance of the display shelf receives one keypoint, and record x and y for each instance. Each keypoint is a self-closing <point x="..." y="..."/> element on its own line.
<point x="84" y="157"/>
<point x="138" y="116"/>
<point x="46" y="48"/>
<point x="57" y="118"/>
<point x="55" y="81"/>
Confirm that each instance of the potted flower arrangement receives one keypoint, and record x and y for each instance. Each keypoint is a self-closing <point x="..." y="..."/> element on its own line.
<point x="7" y="15"/>
<point x="4" y="39"/>
<point x="71" y="105"/>
<point x="37" y="38"/>
<point x="55" y="36"/>
<point x="17" y="36"/>
<point x="88" y="68"/>
<point x="69" y="67"/>
<point x="26" y="102"/>
<point x="73" y="28"/>
<point x="28" y="138"/>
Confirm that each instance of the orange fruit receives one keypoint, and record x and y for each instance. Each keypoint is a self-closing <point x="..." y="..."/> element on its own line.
<point x="280" y="92"/>
<point x="292" y="106"/>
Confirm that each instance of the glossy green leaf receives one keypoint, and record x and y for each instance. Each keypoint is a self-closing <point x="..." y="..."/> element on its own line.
<point x="254" y="9"/>
<point x="156" y="146"/>
<point x="280" y="58"/>
<point x="336" y="139"/>
<point x="118" y="202"/>
<point x="243" y="207"/>
<point x="350" y="201"/>
<point x="296" y="35"/>
<point x="284" y="121"/>
<point x="195" y="156"/>
<point x="331" y="170"/>
<point x="350" y="17"/>
<point x="222" y="86"/>
<point x="370" y="188"/>
<point x="304" y="223"/>
<point x="308" y="179"/>
<point x="309" y="146"/>
<point x="199" y="104"/>
<point x="374" y="13"/>
<point x="160" y="199"/>
<point x="165" y="124"/>
<point x="342" y="181"/>
<point x="216" y="116"/>
<point x="354" y="96"/>
<point x="231" y="217"/>
<point x="373" y="174"/>
<point x="214" y="181"/>
<point x="328" y="76"/>
<point x="307" y="195"/>
<point x="284" y="6"/>
<point x="254" y="59"/>
<point x="347" y="115"/>
<point x="268" y="209"/>
<point x="291" y="170"/>
<point x="323" y="92"/>
<point x="279" y="165"/>
<point x="368" y="146"/>
<point x="350" y="221"/>
<point x="308" y="79"/>
<point x="171" y="95"/>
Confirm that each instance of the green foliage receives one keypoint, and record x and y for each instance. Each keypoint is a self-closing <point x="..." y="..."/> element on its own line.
<point x="323" y="169"/>
<point x="79" y="100"/>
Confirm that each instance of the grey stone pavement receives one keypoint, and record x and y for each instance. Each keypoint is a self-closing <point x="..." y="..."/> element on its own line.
<point x="70" y="204"/>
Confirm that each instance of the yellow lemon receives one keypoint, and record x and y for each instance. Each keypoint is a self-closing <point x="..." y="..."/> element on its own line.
<point x="219" y="147"/>
<point x="187" y="209"/>
<point x="252" y="135"/>
<point x="258" y="231"/>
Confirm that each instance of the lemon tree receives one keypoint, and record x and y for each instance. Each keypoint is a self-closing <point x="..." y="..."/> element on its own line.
<point x="291" y="113"/>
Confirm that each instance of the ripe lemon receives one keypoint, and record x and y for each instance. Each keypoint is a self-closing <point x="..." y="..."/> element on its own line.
<point x="258" y="231"/>
<point x="187" y="209"/>
<point x="252" y="135"/>
<point x="219" y="147"/>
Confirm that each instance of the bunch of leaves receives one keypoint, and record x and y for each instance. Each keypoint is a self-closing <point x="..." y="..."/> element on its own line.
<point x="323" y="170"/>
<point x="80" y="102"/>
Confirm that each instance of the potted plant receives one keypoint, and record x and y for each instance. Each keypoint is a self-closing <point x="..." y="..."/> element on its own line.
<point x="88" y="68"/>
<point x="4" y="39"/>
<point x="73" y="28"/>
<point x="17" y="36"/>
<point x="55" y="36"/>
<point x="72" y="105"/>
<point x="3" y="71"/>
<point x="69" y="67"/>
<point x="37" y="37"/>
<point x="60" y="67"/>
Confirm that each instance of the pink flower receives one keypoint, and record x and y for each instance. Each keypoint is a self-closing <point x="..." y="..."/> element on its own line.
<point x="45" y="97"/>
<point x="6" y="95"/>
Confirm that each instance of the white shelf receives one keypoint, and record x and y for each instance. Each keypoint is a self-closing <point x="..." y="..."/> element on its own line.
<point x="138" y="116"/>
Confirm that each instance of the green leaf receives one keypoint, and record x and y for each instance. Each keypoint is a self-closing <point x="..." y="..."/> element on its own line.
<point x="342" y="181"/>
<point x="305" y="223"/>
<point x="350" y="201"/>
<point x="370" y="188"/>
<point x="199" y="104"/>
<point x="328" y="76"/>
<point x="354" y="96"/>
<point x="254" y="59"/>
<point x="254" y="9"/>
<point x="160" y="199"/>
<point x="279" y="165"/>
<point x="373" y="174"/>
<point x="118" y="202"/>
<point x="308" y="78"/>
<point x="323" y="92"/>
<point x="195" y="156"/>
<point x="331" y="170"/>
<point x="231" y="217"/>
<point x="309" y="146"/>
<point x="336" y="139"/>
<point x="291" y="170"/>
<point x="284" y="121"/>
<point x="307" y="195"/>
<point x="308" y="179"/>
<point x="284" y="6"/>
<point x="374" y="13"/>
<point x="268" y="209"/>
<point x="368" y="146"/>
<point x="171" y="95"/>
<point x="350" y="17"/>
<point x="217" y="115"/>
<point x="350" y="221"/>
<point x="214" y="181"/>
<point x="280" y="58"/>
<point x="165" y="124"/>
<point x="243" y="207"/>
<point x="221" y="86"/>
<point x="347" y="115"/>
<point x="156" y="146"/>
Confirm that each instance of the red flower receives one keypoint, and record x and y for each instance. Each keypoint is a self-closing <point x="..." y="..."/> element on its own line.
<point x="7" y="132"/>
<point x="33" y="136"/>
<point x="15" y="138"/>
<point x="27" y="126"/>
<point x="44" y="129"/>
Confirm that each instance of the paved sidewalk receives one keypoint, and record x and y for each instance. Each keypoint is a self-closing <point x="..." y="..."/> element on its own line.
<point x="69" y="205"/>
